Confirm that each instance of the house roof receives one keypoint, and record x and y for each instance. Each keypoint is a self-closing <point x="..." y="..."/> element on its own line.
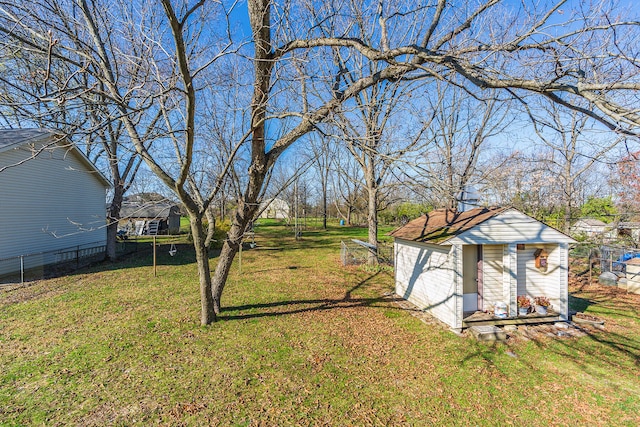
<point x="629" y="225"/>
<point x="14" y="138"/>
<point x="442" y="224"/>
<point x="148" y="210"/>
<point x="591" y="222"/>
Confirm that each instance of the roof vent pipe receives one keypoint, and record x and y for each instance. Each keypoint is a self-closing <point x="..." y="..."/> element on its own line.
<point x="468" y="199"/>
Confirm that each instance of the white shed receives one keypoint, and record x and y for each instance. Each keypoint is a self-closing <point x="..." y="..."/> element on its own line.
<point x="52" y="200"/>
<point x="453" y="263"/>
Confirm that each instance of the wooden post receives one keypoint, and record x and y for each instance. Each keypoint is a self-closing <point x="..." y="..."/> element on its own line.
<point x="155" y="270"/>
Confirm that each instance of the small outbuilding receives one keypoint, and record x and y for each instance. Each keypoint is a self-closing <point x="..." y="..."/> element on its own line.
<point x="51" y="201"/>
<point x="628" y="231"/>
<point x="453" y="264"/>
<point x="633" y="276"/>
<point x="150" y="217"/>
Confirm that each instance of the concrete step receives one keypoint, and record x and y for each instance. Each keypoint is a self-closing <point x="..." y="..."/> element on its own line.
<point x="488" y="333"/>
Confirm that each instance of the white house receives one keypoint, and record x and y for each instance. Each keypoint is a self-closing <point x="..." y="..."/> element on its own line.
<point x="590" y="227"/>
<point x="52" y="200"/>
<point x="452" y="264"/>
<point x="274" y="208"/>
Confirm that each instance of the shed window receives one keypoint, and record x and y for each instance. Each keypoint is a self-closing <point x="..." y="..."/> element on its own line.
<point x="520" y="246"/>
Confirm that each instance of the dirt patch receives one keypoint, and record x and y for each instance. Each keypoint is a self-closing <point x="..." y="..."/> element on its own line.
<point x="415" y="311"/>
<point x="587" y="317"/>
<point x="539" y="332"/>
<point x="22" y="292"/>
<point x="582" y="283"/>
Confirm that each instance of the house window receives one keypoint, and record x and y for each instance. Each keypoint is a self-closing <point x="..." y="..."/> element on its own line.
<point x="520" y="246"/>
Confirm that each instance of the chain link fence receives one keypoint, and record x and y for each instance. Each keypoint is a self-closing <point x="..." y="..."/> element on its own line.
<point x="604" y="263"/>
<point x="357" y="253"/>
<point x="40" y="265"/>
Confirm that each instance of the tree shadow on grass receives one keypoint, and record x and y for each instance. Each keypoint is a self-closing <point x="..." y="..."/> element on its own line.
<point x="282" y="308"/>
<point x="289" y="267"/>
<point x="579" y="304"/>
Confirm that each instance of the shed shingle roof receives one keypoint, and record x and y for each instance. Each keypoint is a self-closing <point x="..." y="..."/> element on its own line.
<point x="442" y="224"/>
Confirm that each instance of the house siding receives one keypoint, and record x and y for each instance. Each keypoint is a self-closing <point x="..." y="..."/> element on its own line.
<point x="425" y="276"/>
<point x="47" y="203"/>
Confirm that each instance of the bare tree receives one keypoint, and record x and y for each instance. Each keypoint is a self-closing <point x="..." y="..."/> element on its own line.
<point x="346" y="186"/>
<point x="458" y="142"/>
<point x="371" y="137"/>
<point x="323" y="153"/>
<point x="555" y="53"/>
<point x="147" y="79"/>
<point x="571" y="154"/>
<point x="39" y="89"/>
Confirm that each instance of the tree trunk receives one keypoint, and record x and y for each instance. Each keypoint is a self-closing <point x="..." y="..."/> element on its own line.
<point x="112" y="234"/>
<point x="229" y="250"/>
<point x="112" y="221"/>
<point x="207" y="313"/>
<point x="228" y="253"/>
<point x="567" y="217"/>
<point x="211" y="227"/>
<point x="372" y="220"/>
<point x="324" y="206"/>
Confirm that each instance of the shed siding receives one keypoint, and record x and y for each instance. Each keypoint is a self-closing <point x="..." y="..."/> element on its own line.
<point x="534" y="282"/>
<point x="424" y="276"/>
<point x="492" y="270"/>
<point x="563" y="306"/>
<point x="510" y="275"/>
<point x="458" y="285"/>
<point x="510" y="226"/>
<point x="47" y="203"/>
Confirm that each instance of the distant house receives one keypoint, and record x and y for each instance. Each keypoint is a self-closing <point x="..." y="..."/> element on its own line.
<point x="453" y="263"/>
<point x="628" y="230"/>
<point x="274" y="208"/>
<point x="150" y="217"/>
<point x="51" y="200"/>
<point x="589" y="227"/>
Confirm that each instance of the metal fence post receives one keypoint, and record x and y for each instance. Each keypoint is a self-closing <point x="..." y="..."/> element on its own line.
<point x="590" y="264"/>
<point x="611" y="261"/>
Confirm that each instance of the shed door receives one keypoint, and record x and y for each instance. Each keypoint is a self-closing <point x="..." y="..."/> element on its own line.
<point x="472" y="277"/>
<point x="480" y="278"/>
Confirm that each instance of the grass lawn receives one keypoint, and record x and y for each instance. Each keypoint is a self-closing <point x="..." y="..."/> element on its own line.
<point x="301" y="341"/>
